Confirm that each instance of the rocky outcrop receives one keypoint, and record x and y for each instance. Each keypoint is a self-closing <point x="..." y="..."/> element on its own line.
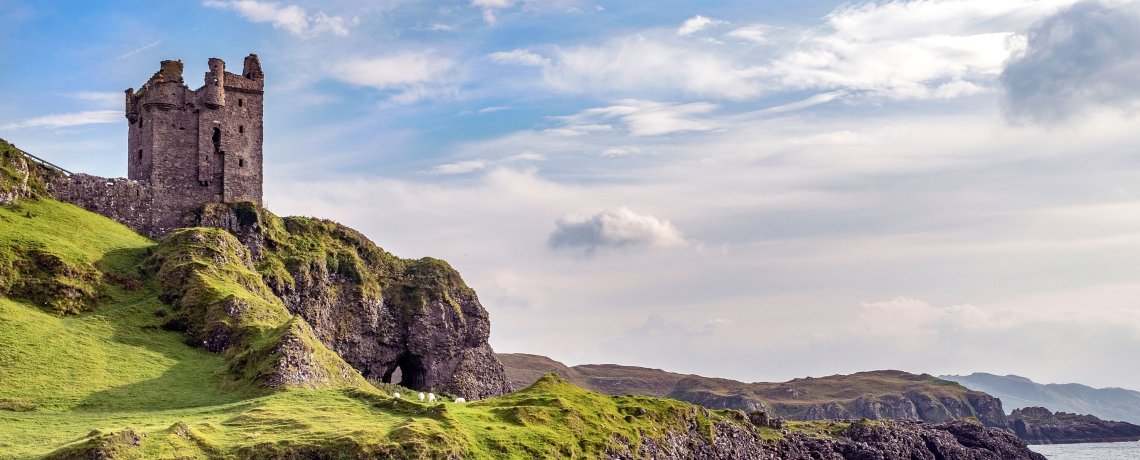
<point x="901" y="440"/>
<point x="1037" y="425"/>
<point x="21" y="177"/>
<point x="224" y="306"/>
<point x="412" y="322"/>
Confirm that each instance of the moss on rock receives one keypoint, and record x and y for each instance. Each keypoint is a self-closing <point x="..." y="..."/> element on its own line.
<point x="224" y="306"/>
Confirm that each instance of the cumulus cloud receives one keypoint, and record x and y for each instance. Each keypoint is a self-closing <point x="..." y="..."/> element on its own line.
<point x="1082" y="58"/>
<point x="63" y="120"/>
<point x="696" y="24"/>
<point x="618" y="228"/>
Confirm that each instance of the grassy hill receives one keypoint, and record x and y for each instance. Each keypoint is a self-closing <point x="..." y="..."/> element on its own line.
<point x="115" y="346"/>
<point x="874" y="395"/>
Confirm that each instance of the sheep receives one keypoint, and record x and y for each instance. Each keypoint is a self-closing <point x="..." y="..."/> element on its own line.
<point x="396" y="395"/>
<point x="460" y="400"/>
<point x="431" y="397"/>
<point x="422" y="396"/>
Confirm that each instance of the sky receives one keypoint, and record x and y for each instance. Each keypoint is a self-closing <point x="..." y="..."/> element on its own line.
<point x="756" y="190"/>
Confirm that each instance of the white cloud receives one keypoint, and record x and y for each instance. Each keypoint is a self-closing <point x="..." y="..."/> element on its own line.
<point x="414" y="76"/>
<point x="492" y="3"/>
<point x="620" y="151"/>
<point x="291" y="18"/>
<point x="494" y="108"/>
<point x="460" y="167"/>
<point x="469" y="166"/>
<point x="893" y="50"/>
<point x="393" y="70"/>
<point x="753" y="33"/>
<point x="1082" y="58"/>
<point x="63" y="120"/>
<point x="489" y="7"/>
<point x="646" y="64"/>
<point x="519" y="57"/>
<point x="696" y="24"/>
<point x="639" y="118"/>
<point x="617" y="228"/>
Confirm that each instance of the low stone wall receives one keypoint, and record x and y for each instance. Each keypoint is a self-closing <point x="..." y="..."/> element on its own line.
<point x="126" y="201"/>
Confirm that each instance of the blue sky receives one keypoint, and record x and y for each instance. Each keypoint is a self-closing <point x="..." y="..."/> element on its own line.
<point x="753" y="190"/>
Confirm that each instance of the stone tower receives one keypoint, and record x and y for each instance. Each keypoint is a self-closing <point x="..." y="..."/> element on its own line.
<point x="196" y="146"/>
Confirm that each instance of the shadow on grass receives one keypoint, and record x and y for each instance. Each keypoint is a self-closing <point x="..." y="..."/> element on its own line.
<point x="191" y="377"/>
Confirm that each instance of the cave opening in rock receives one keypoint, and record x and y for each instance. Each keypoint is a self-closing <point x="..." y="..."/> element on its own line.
<point x="407" y="371"/>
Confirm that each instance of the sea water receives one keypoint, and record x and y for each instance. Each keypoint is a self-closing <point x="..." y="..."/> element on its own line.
<point x="1090" y="451"/>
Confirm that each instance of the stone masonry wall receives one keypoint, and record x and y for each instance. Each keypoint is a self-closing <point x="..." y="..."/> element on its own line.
<point x="185" y="148"/>
<point x="125" y="201"/>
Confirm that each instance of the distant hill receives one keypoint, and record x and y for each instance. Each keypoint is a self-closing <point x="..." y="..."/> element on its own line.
<point x="1018" y="392"/>
<point x="873" y="395"/>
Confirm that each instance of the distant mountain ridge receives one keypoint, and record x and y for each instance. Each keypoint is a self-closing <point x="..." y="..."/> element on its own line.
<point x="1018" y="392"/>
<point x="872" y="395"/>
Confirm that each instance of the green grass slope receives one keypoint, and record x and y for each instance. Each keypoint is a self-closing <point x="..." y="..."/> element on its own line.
<point x="112" y="380"/>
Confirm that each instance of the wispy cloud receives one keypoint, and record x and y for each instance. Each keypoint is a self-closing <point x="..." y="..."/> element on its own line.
<point x="753" y="33"/>
<point x="413" y="76"/>
<point x="469" y="166"/>
<point x="490" y="6"/>
<point x="139" y="50"/>
<point x="519" y="57"/>
<point x="99" y="98"/>
<point x="291" y="18"/>
<point x="640" y="118"/>
<point x="698" y="23"/>
<point x="63" y="120"/>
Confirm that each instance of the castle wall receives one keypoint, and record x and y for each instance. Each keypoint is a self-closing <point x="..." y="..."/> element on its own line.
<point x="243" y="135"/>
<point x="126" y="201"/>
<point x="185" y="148"/>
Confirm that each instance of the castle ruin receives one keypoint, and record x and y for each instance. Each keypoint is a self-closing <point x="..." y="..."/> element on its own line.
<point x="184" y="148"/>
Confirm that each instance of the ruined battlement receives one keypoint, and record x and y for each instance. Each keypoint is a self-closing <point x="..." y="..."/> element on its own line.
<point x="185" y="148"/>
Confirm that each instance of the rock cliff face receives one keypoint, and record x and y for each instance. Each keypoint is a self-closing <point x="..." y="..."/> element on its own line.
<point x="224" y="306"/>
<point x="900" y="440"/>
<point x="1037" y="425"/>
<point x="412" y="322"/>
<point x="21" y="177"/>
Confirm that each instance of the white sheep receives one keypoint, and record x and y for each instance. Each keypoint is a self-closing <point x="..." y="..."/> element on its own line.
<point x="422" y="396"/>
<point x="460" y="400"/>
<point x="431" y="397"/>
<point x="396" y="395"/>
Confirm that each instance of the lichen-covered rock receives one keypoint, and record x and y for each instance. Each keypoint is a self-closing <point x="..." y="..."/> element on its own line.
<point x="21" y="177"/>
<point x="224" y="306"/>
<point x="898" y="440"/>
<point x="412" y="322"/>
